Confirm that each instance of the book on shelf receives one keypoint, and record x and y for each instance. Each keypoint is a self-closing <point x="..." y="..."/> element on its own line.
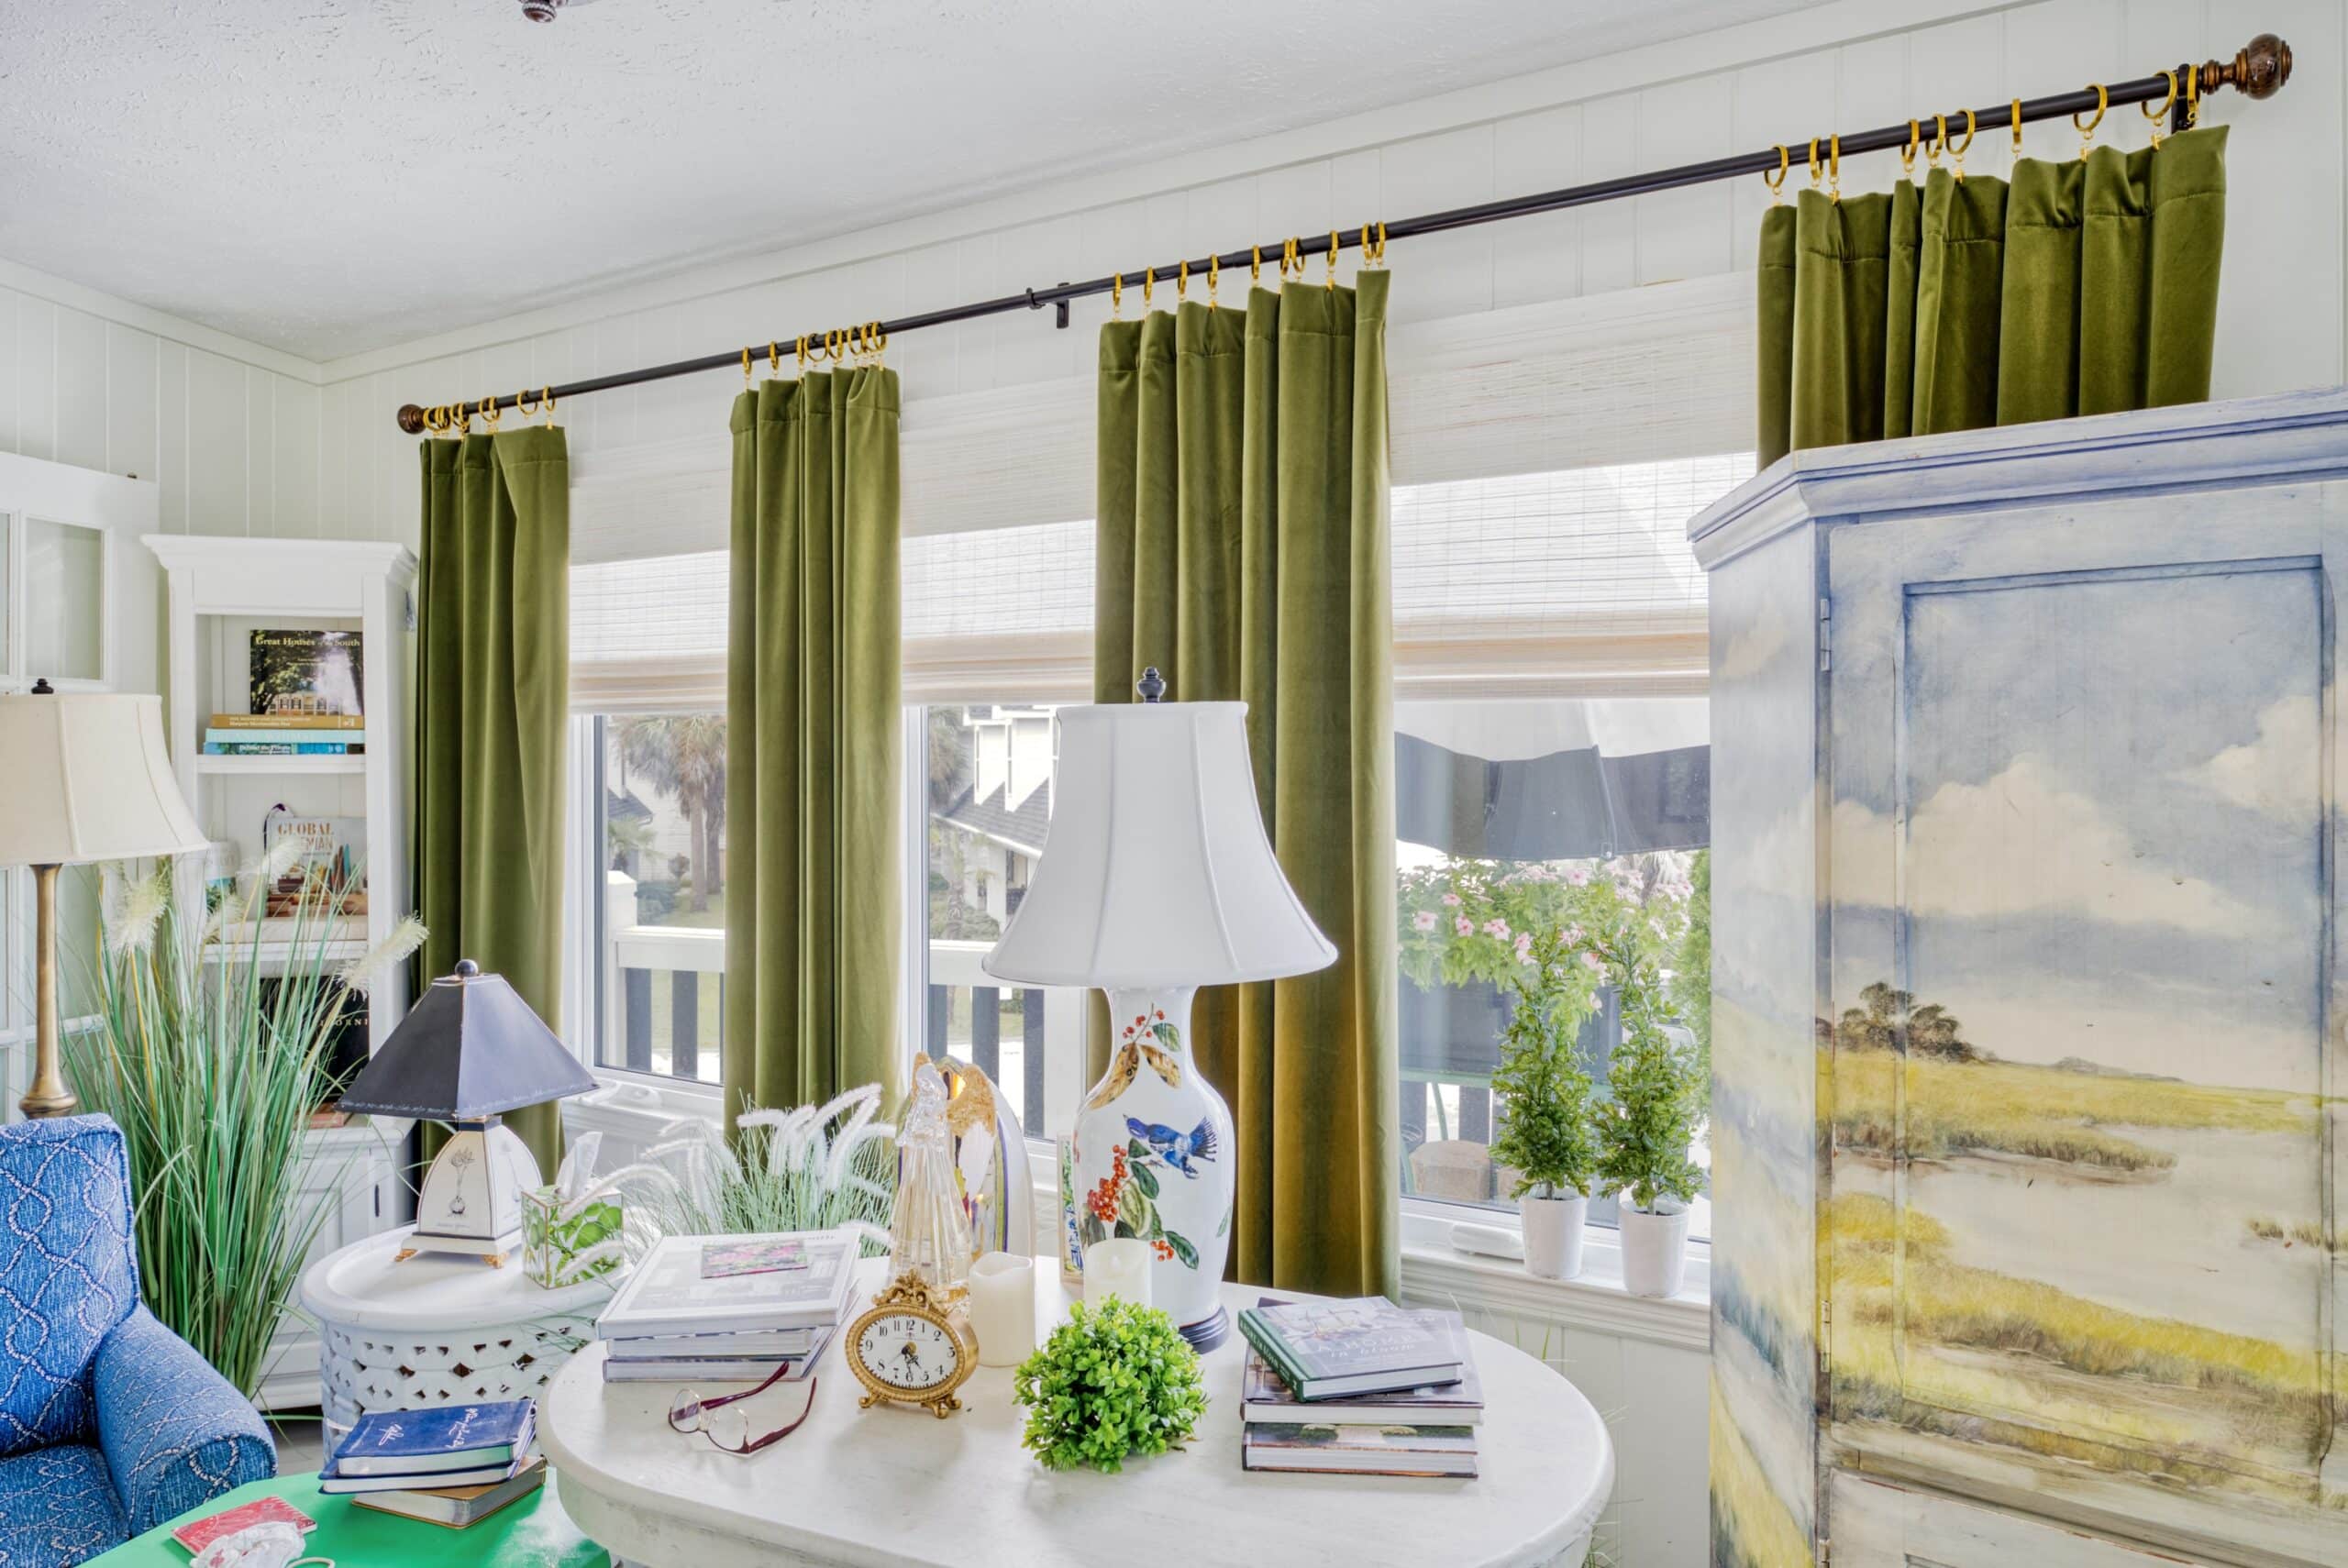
<point x="669" y="1294"/>
<point x="315" y="726"/>
<point x="459" y="1507"/>
<point x="304" y="670"/>
<point x="1267" y="1400"/>
<point x="328" y="870"/>
<point x="1358" y="1449"/>
<point x="283" y="748"/>
<point x="1325" y="1349"/>
<point x="450" y="1438"/>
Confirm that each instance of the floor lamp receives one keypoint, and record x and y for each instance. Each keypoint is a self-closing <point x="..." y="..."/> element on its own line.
<point x="82" y="778"/>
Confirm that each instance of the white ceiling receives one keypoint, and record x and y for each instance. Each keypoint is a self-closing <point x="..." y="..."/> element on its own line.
<point x="329" y="176"/>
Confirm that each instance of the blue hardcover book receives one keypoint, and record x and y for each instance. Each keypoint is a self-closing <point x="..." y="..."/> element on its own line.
<point x="427" y="1442"/>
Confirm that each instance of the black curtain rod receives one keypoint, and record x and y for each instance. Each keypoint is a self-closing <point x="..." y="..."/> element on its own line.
<point x="2258" y="70"/>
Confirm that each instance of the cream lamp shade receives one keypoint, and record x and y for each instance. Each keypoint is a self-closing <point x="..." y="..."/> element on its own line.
<point x="88" y="778"/>
<point x="1156" y="871"/>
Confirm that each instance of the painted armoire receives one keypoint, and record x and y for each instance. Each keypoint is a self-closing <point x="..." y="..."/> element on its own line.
<point x="2028" y="1153"/>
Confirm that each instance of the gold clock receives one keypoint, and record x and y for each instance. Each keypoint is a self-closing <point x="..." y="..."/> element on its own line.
<point x="912" y="1347"/>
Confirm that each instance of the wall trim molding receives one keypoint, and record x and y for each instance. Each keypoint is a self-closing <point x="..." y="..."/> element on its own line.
<point x="169" y="329"/>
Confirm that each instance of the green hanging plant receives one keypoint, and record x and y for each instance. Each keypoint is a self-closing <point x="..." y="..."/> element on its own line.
<point x="1109" y="1384"/>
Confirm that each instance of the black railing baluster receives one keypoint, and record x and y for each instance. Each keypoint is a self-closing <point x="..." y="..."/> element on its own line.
<point x="637" y="984"/>
<point x="1031" y="1061"/>
<point x="684" y="1023"/>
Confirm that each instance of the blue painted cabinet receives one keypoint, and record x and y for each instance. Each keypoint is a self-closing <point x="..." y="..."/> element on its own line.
<point x="2025" y="997"/>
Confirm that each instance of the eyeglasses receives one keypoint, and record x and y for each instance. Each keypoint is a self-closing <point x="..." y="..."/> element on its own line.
<point x="720" y="1420"/>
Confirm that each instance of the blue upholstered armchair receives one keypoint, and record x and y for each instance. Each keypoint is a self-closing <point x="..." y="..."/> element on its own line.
<point x="109" y="1422"/>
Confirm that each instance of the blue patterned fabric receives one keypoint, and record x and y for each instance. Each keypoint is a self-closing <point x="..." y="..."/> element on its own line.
<point x="68" y="1272"/>
<point x="58" y="1507"/>
<point x="109" y="1422"/>
<point x="173" y="1431"/>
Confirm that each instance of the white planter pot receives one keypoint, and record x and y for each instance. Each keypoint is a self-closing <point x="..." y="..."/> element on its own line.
<point x="1553" y="1234"/>
<point x="1654" y="1252"/>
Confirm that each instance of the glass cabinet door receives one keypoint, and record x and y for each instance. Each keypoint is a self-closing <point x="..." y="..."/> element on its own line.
<point x="62" y="601"/>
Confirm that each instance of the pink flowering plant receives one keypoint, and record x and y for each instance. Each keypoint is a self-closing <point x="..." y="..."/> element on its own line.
<point x="1463" y="921"/>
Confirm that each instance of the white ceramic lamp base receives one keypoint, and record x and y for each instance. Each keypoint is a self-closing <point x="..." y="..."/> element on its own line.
<point x="470" y="1204"/>
<point x="1154" y="1159"/>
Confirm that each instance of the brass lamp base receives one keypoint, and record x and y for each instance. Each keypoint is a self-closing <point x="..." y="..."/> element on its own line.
<point x="47" y="1096"/>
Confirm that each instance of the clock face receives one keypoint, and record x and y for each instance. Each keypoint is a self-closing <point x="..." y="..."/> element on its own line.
<point x="906" y="1351"/>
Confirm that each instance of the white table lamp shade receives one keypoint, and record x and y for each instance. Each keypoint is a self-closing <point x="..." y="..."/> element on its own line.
<point x="1157" y="870"/>
<point x="88" y="778"/>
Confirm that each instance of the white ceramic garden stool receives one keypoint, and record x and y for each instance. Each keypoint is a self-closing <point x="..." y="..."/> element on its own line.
<point x="436" y="1330"/>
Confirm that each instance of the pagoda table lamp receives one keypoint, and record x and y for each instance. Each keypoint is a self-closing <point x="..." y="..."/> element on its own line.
<point x="467" y="1053"/>
<point x="82" y="778"/>
<point x="1156" y="878"/>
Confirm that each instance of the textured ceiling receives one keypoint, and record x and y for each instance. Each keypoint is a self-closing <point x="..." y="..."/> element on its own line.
<point x="328" y="176"/>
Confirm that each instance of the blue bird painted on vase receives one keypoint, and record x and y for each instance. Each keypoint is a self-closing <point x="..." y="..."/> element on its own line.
<point x="1176" y="1150"/>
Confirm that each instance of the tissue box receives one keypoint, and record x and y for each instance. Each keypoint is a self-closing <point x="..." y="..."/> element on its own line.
<point x="553" y="1241"/>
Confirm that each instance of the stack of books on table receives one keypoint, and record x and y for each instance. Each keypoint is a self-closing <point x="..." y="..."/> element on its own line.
<point x="286" y="734"/>
<point x="728" y="1308"/>
<point x="454" y="1466"/>
<point x="1359" y="1388"/>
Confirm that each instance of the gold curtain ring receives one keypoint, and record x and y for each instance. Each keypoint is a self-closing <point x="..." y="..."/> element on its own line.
<point x="1814" y="174"/>
<point x="1374" y="253"/>
<point x="835" y="346"/>
<point x="1907" y="153"/>
<point x="2158" y="112"/>
<point x="545" y="401"/>
<point x="2192" y="97"/>
<point x="1214" y="276"/>
<point x="1117" y="294"/>
<point x="1933" y="149"/>
<point x="1182" y="279"/>
<point x="463" y="417"/>
<point x="774" y="361"/>
<point x="1256" y="264"/>
<point x="2017" y="124"/>
<point x="1956" y="153"/>
<point x="522" y="404"/>
<point x="745" y="367"/>
<point x="432" y="422"/>
<point x="1834" y="169"/>
<point x="1777" y="182"/>
<point x="2086" y="131"/>
<point x="1330" y="283"/>
<point x="1148" y="285"/>
<point x="1292" y="257"/>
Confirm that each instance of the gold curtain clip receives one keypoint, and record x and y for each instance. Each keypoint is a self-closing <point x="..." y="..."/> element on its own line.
<point x="2086" y="131"/>
<point x="1182" y="281"/>
<point x="1814" y="174"/>
<point x="1215" y="277"/>
<point x="803" y="353"/>
<point x="1956" y="153"/>
<point x="2158" y="112"/>
<point x="1777" y="182"/>
<point x="746" y="367"/>
<point x="1148" y="286"/>
<point x="1907" y="153"/>
<point x="1330" y="283"/>
<point x="2192" y="97"/>
<point x="1256" y="264"/>
<point x="2017" y="124"/>
<point x="1373" y="254"/>
<point x="1117" y="295"/>
<point x="545" y="401"/>
<point x="1834" y="170"/>
<point x="1933" y="149"/>
<point x="835" y="346"/>
<point x="522" y="404"/>
<point x="1291" y="258"/>
<point x="774" y="362"/>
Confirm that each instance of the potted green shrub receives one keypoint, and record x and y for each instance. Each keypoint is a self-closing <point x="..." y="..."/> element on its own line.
<point x="1645" y="1129"/>
<point x="1111" y="1381"/>
<point x="1546" y="1133"/>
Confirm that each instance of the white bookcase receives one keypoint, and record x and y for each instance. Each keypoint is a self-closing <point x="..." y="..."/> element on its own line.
<point x="219" y="592"/>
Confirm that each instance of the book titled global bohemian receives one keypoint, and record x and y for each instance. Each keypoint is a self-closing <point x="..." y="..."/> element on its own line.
<point x="1325" y="1350"/>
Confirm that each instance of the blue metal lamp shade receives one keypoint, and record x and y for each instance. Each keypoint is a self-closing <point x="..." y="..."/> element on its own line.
<point x="470" y="1049"/>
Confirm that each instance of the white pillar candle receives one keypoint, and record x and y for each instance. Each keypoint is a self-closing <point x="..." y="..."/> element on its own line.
<point x="1003" y="1307"/>
<point x="1118" y="1266"/>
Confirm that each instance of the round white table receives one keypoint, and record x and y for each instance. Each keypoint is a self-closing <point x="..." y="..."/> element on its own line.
<point x="899" y="1488"/>
<point x="435" y="1330"/>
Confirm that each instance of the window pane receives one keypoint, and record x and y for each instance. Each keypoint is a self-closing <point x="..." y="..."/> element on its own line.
<point x="987" y="799"/>
<point x="1515" y="817"/>
<point x="64" y="598"/>
<point x="662" y="798"/>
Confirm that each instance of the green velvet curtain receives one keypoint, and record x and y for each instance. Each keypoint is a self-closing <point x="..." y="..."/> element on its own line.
<point x="2085" y="287"/>
<point x="1242" y="548"/>
<point x="492" y="677"/>
<point x="814" y="903"/>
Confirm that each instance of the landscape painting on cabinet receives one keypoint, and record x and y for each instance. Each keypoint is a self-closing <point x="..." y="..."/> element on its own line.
<point x="2071" y="1094"/>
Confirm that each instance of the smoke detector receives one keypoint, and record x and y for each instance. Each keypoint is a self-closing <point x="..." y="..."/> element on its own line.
<point x="546" y="10"/>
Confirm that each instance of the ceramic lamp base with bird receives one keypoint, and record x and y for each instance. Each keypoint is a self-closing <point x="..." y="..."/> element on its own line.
<point x="1153" y="1158"/>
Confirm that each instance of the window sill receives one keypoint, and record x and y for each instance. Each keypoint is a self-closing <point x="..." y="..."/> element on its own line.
<point x="1435" y="1271"/>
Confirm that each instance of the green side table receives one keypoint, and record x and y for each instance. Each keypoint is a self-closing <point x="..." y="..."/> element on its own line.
<point x="532" y="1533"/>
